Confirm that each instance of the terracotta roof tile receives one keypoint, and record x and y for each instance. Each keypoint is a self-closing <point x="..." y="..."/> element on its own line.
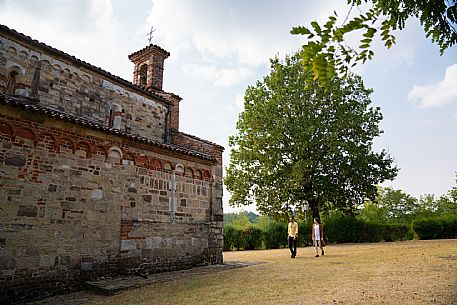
<point x="151" y="46"/>
<point x="198" y="139"/>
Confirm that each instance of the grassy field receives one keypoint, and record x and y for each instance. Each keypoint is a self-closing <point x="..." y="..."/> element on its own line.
<point x="410" y="272"/>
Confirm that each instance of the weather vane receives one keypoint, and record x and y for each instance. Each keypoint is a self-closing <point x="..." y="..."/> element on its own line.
<point x="150" y="34"/>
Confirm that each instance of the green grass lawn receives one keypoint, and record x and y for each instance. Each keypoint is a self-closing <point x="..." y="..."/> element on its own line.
<point x="409" y="272"/>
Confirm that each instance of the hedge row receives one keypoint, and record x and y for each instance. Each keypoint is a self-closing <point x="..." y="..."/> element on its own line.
<point x="435" y="228"/>
<point x="252" y="237"/>
<point x="346" y="229"/>
<point x="336" y="230"/>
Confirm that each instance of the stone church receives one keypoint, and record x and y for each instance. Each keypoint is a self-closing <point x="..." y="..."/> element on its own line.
<point x="95" y="177"/>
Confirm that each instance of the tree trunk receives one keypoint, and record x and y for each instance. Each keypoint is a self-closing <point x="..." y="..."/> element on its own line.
<point x="315" y="211"/>
<point x="314" y="205"/>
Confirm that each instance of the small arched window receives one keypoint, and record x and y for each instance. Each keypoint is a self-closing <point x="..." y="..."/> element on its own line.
<point x="179" y="169"/>
<point x="143" y="75"/>
<point x="11" y="84"/>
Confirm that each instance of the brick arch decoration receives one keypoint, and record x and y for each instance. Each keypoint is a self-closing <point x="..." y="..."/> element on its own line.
<point x="128" y="156"/>
<point x="57" y="67"/>
<point x="6" y="131"/>
<point x="47" y="140"/>
<point x="25" y="133"/>
<point x="9" y="131"/>
<point x="198" y="174"/>
<point x="142" y="161"/>
<point x="12" y="50"/>
<point x="66" y="143"/>
<point x="188" y="172"/>
<point x="115" y="152"/>
<point x="155" y="164"/>
<point x="100" y="152"/>
<point x="179" y="169"/>
<point x="24" y="54"/>
<point x="84" y="146"/>
<point x="206" y="175"/>
<point x="167" y="166"/>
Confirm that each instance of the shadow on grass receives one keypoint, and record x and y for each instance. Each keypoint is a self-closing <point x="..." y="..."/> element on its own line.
<point x="312" y="256"/>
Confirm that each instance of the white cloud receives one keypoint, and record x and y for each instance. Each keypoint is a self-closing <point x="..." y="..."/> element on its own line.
<point x="438" y="94"/>
<point x="239" y="101"/>
<point x="85" y="29"/>
<point x="244" y="33"/>
<point x="222" y="78"/>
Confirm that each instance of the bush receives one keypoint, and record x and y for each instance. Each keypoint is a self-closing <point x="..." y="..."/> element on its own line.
<point x="275" y="235"/>
<point x="394" y="232"/>
<point x="341" y="229"/>
<point x="434" y="228"/>
<point x="229" y="237"/>
<point x="252" y="238"/>
<point x="249" y="238"/>
<point x="344" y="229"/>
<point x="304" y="234"/>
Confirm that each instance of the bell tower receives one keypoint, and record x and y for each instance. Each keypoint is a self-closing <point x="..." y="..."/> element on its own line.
<point x="148" y="71"/>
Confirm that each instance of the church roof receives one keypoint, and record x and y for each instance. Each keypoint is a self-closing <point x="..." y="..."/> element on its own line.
<point x="151" y="46"/>
<point x="30" y="104"/>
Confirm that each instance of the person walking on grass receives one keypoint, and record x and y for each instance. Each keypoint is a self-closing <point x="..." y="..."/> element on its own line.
<point x="292" y="231"/>
<point x="317" y="235"/>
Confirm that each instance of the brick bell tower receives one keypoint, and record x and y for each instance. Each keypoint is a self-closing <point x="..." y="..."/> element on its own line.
<point x="148" y="73"/>
<point x="148" y="63"/>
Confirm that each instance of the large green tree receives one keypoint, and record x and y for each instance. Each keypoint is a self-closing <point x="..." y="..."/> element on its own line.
<point x="300" y="144"/>
<point x="327" y="54"/>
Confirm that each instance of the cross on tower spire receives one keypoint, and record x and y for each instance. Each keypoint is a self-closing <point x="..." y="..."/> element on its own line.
<point x="150" y="34"/>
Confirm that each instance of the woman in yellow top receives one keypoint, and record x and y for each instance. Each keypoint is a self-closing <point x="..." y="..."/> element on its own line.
<point x="292" y="231"/>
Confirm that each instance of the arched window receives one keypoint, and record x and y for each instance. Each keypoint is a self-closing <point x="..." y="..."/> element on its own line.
<point x="11" y="84"/>
<point x="143" y="75"/>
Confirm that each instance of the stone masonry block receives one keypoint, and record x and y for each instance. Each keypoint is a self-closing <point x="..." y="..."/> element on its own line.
<point x="15" y="160"/>
<point x="86" y="266"/>
<point x="97" y="194"/>
<point x="7" y="260"/>
<point x="153" y="242"/>
<point x="128" y="245"/>
<point x="27" y="211"/>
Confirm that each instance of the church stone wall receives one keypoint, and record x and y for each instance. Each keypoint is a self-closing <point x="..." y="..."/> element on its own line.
<point x="78" y="204"/>
<point x="65" y="84"/>
<point x="95" y="178"/>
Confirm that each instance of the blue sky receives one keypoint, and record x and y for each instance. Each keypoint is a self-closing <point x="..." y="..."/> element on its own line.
<point x="219" y="48"/>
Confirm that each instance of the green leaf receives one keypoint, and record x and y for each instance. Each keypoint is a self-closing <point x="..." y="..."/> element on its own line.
<point x="370" y="32"/>
<point x="316" y="27"/>
<point x="385" y="34"/>
<point x="300" y="30"/>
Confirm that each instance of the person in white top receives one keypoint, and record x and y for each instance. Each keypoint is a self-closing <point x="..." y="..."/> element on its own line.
<point x="317" y="235"/>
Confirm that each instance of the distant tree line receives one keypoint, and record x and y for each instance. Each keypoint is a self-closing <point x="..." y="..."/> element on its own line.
<point x="394" y="215"/>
